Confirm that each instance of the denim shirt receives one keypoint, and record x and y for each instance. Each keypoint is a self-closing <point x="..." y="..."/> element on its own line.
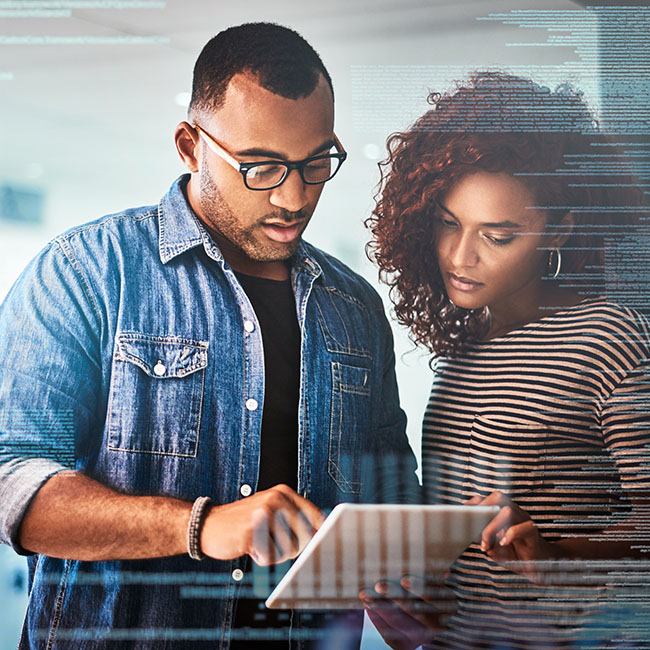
<point x="129" y="352"/>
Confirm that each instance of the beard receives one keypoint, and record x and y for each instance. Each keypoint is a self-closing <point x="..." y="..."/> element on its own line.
<point x="246" y="238"/>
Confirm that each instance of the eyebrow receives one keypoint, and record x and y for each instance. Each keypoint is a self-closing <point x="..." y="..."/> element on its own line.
<point x="489" y="224"/>
<point x="267" y="153"/>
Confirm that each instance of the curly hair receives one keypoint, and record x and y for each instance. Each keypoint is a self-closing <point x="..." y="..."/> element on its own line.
<point x="495" y="123"/>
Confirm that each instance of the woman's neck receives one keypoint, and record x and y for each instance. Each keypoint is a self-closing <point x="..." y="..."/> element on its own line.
<point x="511" y="315"/>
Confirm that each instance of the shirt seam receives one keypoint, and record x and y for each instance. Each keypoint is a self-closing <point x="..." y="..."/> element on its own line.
<point x="58" y="606"/>
<point x="107" y="220"/>
<point x="66" y="249"/>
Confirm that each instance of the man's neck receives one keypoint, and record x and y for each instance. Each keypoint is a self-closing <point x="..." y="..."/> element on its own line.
<point x="239" y="261"/>
<point x="269" y="270"/>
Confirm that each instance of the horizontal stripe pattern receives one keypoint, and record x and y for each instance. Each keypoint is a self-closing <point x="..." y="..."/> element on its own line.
<point x="556" y="414"/>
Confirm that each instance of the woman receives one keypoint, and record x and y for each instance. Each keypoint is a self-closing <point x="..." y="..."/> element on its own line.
<point x="500" y="224"/>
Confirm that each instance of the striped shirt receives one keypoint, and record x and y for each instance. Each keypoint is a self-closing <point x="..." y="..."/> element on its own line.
<point x="555" y="414"/>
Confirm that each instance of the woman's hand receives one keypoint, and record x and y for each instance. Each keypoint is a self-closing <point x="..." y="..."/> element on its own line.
<point x="410" y="613"/>
<point x="512" y="539"/>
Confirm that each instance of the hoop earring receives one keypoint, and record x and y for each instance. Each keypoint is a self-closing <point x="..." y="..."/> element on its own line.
<point x="558" y="263"/>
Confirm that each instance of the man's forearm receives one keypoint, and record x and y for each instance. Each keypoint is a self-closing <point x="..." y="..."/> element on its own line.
<point x="77" y="518"/>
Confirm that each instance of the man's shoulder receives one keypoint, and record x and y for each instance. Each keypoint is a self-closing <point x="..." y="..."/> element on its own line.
<point x="117" y="223"/>
<point x="338" y="275"/>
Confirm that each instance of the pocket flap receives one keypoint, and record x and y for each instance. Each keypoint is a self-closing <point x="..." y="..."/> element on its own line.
<point x="350" y="379"/>
<point x="163" y="357"/>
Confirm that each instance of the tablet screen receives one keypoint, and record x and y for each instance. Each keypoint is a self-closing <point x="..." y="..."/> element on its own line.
<point x="359" y="545"/>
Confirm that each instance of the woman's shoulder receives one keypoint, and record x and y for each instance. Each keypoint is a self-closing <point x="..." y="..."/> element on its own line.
<point x="607" y="313"/>
<point x="606" y="320"/>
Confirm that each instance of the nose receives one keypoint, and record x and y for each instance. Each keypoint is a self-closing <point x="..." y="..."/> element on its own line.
<point x="462" y="251"/>
<point x="291" y="195"/>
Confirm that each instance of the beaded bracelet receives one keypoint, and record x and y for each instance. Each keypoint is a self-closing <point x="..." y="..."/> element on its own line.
<point x="194" y="528"/>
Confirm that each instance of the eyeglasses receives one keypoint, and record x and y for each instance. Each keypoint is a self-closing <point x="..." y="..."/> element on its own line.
<point x="267" y="175"/>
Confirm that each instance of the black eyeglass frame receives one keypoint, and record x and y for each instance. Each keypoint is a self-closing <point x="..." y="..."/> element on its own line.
<point x="244" y="167"/>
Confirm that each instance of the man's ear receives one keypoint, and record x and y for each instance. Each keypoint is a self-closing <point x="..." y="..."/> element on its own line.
<point x="187" y="142"/>
<point x="564" y="228"/>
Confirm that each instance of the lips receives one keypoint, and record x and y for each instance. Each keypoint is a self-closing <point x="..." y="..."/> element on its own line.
<point x="462" y="283"/>
<point x="281" y="232"/>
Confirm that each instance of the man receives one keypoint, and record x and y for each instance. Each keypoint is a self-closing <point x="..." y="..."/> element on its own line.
<point x="198" y="348"/>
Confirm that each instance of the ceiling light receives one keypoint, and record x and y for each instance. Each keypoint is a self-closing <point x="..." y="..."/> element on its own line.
<point x="183" y="99"/>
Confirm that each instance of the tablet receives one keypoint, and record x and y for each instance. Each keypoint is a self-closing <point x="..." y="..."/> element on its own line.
<point x="358" y="545"/>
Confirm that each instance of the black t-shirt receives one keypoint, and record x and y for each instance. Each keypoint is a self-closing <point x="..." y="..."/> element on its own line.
<point x="275" y="308"/>
<point x="274" y="305"/>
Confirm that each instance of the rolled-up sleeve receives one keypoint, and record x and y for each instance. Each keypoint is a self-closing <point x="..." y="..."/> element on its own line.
<point x="49" y="377"/>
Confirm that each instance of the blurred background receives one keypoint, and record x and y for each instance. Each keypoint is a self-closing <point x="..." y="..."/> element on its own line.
<point x="91" y="90"/>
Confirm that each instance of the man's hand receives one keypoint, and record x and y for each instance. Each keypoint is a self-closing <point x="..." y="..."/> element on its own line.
<point x="512" y="539"/>
<point x="408" y="614"/>
<point x="271" y="526"/>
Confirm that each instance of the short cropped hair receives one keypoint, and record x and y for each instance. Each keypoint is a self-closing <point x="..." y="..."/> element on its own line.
<point x="282" y="61"/>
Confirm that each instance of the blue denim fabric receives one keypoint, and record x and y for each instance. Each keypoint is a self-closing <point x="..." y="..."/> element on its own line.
<point x="123" y="355"/>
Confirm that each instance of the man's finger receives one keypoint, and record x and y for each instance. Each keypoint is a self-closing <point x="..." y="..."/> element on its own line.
<point x="311" y="513"/>
<point x="279" y="535"/>
<point x="282" y="525"/>
<point x="291" y="530"/>
<point x="264" y="549"/>
<point x="284" y="534"/>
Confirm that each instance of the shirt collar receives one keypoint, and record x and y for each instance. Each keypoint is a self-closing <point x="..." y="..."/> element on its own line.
<point x="180" y="230"/>
<point x="179" y="227"/>
<point x="303" y="261"/>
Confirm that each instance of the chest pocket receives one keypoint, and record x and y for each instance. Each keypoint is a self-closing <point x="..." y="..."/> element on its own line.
<point x="343" y="321"/>
<point x="156" y="394"/>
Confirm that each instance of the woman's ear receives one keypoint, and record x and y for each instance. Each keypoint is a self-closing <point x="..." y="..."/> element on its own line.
<point x="563" y="228"/>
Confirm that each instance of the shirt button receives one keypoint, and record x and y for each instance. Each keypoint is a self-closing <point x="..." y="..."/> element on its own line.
<point x="251" y="404"/>
<point x="249" y="325"/>
<point x="245" y="490"/>
<point x="237" y="574"/>
<point x="159" y="369"/>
